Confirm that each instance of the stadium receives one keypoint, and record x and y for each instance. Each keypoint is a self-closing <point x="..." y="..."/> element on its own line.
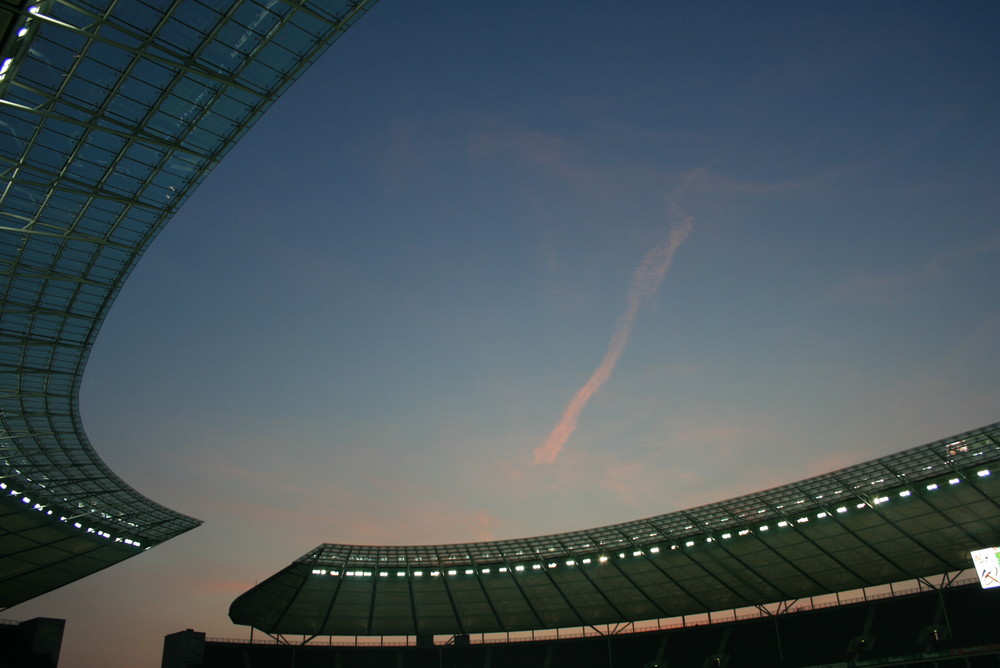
<point x="113" y="113"/>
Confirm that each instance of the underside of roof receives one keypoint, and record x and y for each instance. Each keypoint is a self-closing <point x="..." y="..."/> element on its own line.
<point x="111" y="113"/>
<point x="913" y="514"/>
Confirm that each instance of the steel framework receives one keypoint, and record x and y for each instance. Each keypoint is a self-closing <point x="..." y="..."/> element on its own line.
<point x="111" y="113"/>
<point x="905" y="516"/>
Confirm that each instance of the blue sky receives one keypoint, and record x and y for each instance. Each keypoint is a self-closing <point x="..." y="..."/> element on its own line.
<point x="371" y="316"/>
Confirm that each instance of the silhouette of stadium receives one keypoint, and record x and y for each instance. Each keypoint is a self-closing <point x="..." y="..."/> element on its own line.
<point x="113" y="112"/>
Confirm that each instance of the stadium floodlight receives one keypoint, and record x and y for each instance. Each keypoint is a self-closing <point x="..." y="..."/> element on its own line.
<point x="954" y="481"/>
<point x="905" y="493"/>
<point x="983" y="473"/>
<point x="931" y="487"/>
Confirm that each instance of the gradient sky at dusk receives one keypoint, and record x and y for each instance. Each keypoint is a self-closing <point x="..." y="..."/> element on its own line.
<point x="370" y="317"/>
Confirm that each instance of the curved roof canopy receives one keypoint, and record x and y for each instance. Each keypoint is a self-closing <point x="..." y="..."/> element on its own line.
<point x="111" y="113"/>
<point x="912" y="514"/>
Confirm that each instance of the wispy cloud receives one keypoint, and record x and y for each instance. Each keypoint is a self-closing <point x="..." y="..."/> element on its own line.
<point x="886" y="289"/>
<point x="646" y="281"/>
<point x="550" y="153"/>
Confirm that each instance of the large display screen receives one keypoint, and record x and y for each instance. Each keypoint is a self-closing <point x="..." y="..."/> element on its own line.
<point x="987" y="565"/>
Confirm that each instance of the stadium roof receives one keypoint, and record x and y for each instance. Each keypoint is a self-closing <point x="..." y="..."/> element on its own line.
<point x="111" y="113"/>
<point x="909" y="515"/>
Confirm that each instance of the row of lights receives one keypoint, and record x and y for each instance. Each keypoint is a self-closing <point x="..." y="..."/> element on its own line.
<point x="761" y="511"/>
<point x="40" y="508"/>
<point x="22" y="32"/>
<point x="487" y="570"/>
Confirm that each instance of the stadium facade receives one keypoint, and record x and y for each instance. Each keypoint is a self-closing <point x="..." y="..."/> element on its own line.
<point x="111" y="113"/>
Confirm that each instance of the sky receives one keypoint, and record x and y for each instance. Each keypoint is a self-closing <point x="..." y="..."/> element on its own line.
<point x="494" y="270"/>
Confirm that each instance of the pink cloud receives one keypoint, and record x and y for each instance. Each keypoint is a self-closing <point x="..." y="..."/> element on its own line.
<point x="646" y="281"/>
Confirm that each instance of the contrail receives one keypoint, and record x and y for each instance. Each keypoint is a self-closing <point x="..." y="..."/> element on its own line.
<point x="646" y="280"/>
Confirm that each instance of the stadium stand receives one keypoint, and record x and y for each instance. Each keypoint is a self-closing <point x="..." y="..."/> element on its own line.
<point x="894" y="629"/>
